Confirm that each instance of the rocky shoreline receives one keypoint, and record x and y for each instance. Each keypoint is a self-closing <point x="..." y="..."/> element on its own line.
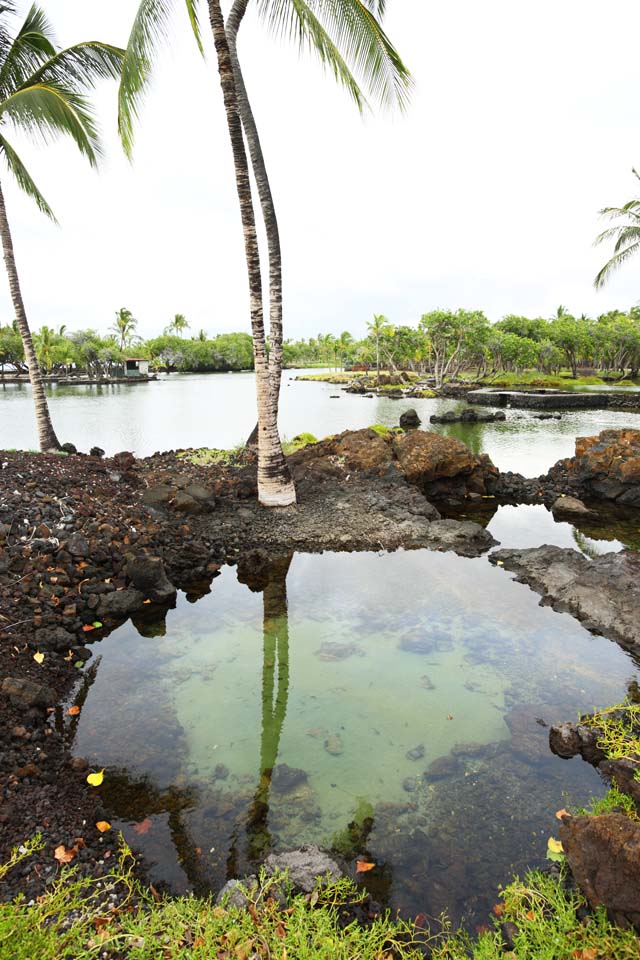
<point x="87" y="542"/>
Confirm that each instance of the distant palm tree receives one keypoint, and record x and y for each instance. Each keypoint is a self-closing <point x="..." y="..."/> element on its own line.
<point x="344" y="341"/>
<point x="202" y="335"/>
<point x="352" y="33"/>
<point x="626" y="235"/>
<point x="178" y="325"/>
<point x="42" y="93"/>
<point x="124" y="327"/>
<point x="378" y="327"/>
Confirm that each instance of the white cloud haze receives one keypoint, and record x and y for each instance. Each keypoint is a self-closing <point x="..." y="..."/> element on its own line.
<point x="525" y="120"/>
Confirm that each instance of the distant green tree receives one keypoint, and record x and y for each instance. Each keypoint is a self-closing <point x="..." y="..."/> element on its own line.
<point x="178" y="325"/>
<point x="573" y="337"/>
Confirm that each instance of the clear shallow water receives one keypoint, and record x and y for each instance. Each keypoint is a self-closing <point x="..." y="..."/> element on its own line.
<point x="218" y="410"/>
<point x="282" y="709"/>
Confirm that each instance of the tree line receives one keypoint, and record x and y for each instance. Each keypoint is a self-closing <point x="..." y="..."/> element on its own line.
<point x="445" y="344"/>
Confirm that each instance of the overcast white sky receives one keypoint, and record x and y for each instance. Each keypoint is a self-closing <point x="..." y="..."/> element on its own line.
<point x="524" y="122"/>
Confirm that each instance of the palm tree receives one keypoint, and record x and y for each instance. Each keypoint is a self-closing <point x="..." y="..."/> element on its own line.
<point x="626" y="235"/>
<point x="42" y="93"/>
<point x="378" y="327"/>
<point x="178" y="324"/>
<point x="356" y="30"/>
<point x="344" y="341"/>
<point x="124" y="326"/>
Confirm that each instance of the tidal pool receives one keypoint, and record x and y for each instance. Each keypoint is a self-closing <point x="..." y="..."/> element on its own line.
<point x="303" y="700"/>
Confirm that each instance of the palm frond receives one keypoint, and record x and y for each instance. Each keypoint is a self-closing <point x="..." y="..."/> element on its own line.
<point x="614" y="263"/>
<point x="33" y="45"/>
<point x="81" y="66"/>
<point x="355" y="34"/>
<point x="296" y="19"/>
<point x="150" y="27"/>
<point x="23" y="178"/>
<point x="378" y="7"/>
<point x="48" y="110"/>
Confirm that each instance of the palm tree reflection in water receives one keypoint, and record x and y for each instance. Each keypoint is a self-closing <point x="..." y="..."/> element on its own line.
<point x="270" y="577"/>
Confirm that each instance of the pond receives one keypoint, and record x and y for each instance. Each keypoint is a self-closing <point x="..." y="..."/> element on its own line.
<point x="218" y="410"/>
<point x="389" y="706"/>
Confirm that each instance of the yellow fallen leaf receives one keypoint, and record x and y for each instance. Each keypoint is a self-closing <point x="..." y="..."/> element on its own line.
<point x="103" y="826"/>
<point x="554" y="846"/>
<point x="146" y="601"/>
<point x="562" y="813"/>
<point x="38" y="657"/>
<point x="363" y="867"/>
<point x="499" y="563"/>
<point x="95" y="779"/>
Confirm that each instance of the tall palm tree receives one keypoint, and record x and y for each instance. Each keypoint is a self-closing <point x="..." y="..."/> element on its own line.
<point x="352" y="26"/>
<point x="378" y="327"/>
<point x="626" y="235"/>
<point x="42" y="93"/>
<point x="124" y="326"/>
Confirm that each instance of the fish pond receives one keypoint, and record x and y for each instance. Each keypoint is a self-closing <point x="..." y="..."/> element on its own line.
<point x="391" y="707"/>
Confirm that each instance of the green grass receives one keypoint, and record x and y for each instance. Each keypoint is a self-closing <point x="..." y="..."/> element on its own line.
<point x="534" y="378"/>
<point x="210" y="456"/>
<point x="383" y="431"/>
<point x="298" y="442"/>
<point x="74" y="919"/>
<point x="618" y="730"/>
<point x="614" y="801"/>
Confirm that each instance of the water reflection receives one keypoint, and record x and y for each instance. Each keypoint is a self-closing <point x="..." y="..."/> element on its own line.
<point x="390" y="707"/>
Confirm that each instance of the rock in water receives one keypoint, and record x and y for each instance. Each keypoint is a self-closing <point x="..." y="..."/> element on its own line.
<point x="409" y="420"/>
<point x="569" y="507"/>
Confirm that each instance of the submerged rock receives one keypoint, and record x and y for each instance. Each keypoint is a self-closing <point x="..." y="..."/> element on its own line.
<point x="416" y="753"/>
<point x="284" y="778"/>
<point x="304" y="867"/>
<point x="417" y="642"/>
<point x="334" y="745"/>
<point x="338" y="651"/>
<point x="442" y="767"/>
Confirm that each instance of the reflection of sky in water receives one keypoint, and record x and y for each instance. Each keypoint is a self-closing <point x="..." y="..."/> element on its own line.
<point x="218" y="410"/>
<point x="439" y="649"/>
<point x="530" y="525"/>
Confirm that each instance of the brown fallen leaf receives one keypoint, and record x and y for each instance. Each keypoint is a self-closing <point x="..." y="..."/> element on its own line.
<point x="449" y="716"/>
<point x="498" y="909"/>
<point x="562" y="813"/>
<point x="363" y="867"/>
<point x="587" y="953"/>
<point x="143" y="826"/>
<point x="73" y="711"/>
<point x="63" y="855"/>
<point x="88" y="627"/>
<point x="530" y="915"/>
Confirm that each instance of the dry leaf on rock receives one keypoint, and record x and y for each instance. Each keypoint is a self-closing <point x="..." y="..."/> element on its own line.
<point x="363" y="867"/>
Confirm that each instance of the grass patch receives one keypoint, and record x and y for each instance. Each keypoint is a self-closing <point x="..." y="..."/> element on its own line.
<point x="74" y="918"/>
<point x="533" y="378"/>
<point x="298" y="442"/>
<point x="383" y="431"/>
<point x="614" y="801"/>
<point x="211" y="457"/>
<point x="345" y="377"/>
<point x="425" y="394"/>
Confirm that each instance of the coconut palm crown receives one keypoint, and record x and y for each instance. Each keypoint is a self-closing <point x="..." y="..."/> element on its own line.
<point x="43" y="94"/>
<point x="626" y="235"/>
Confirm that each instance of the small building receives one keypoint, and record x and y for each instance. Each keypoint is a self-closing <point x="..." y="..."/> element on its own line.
<point x="136" y="367"/>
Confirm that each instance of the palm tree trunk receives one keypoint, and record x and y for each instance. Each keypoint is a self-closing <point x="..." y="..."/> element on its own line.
<point x="275" y="486"/>
<point x="46" y="434"/>
<point x="269" y="217"/>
